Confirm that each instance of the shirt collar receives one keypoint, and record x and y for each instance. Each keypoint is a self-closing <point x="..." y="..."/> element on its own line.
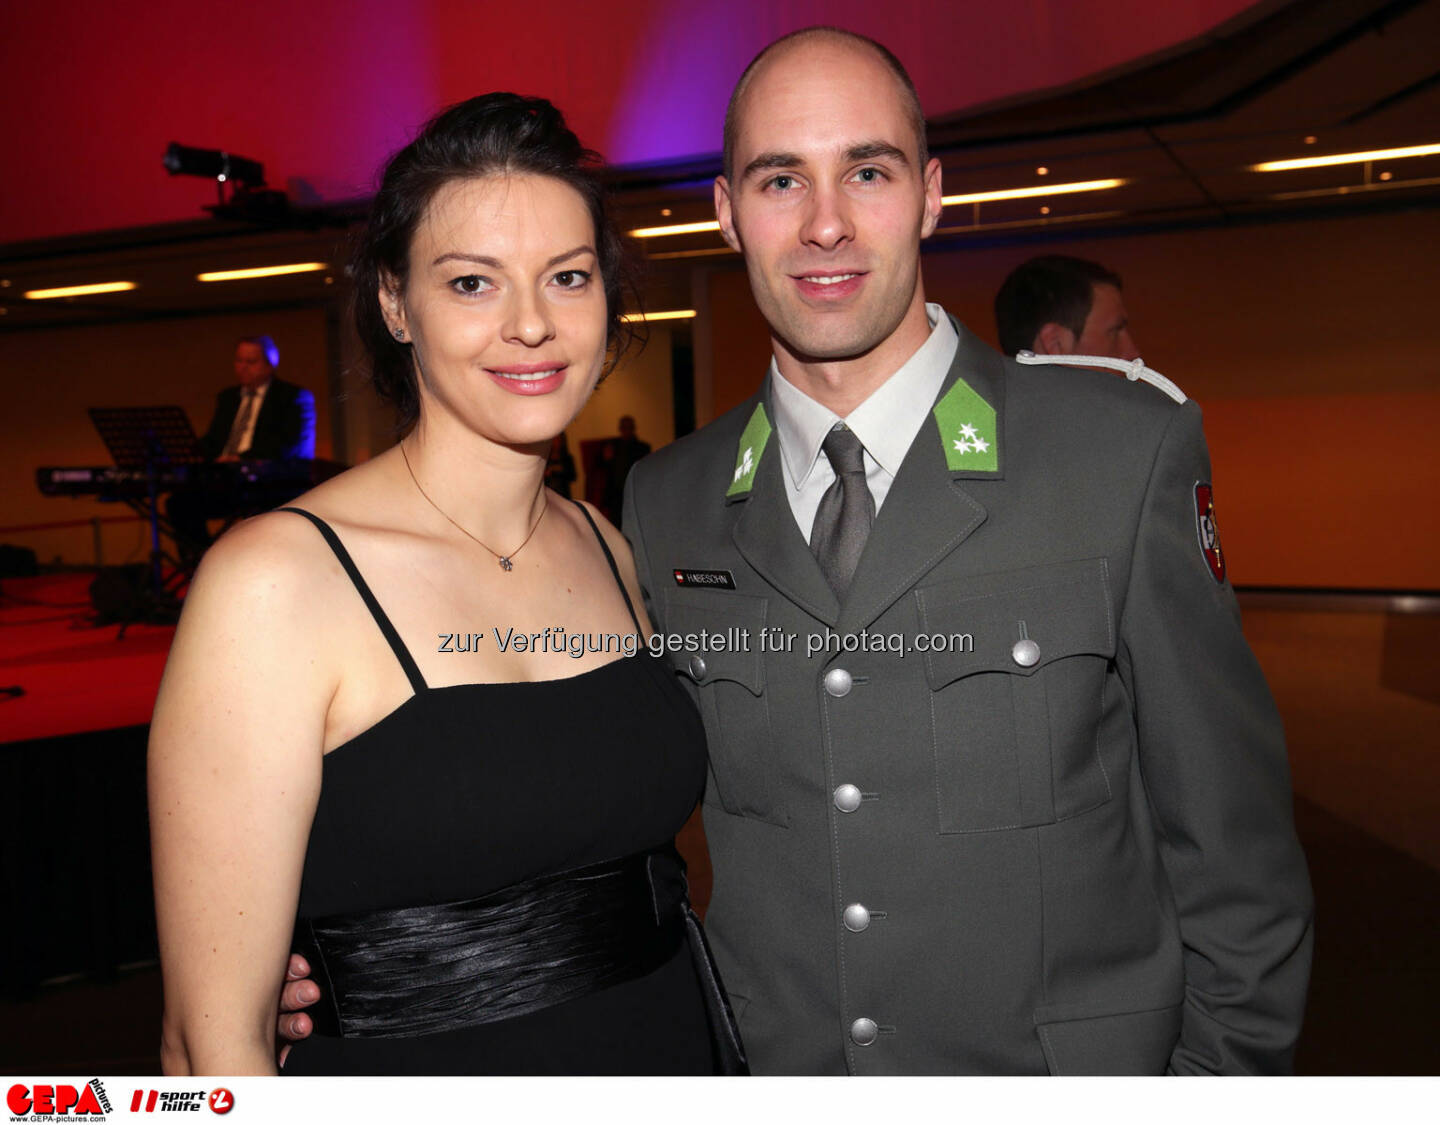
<point x="885" y="423"/>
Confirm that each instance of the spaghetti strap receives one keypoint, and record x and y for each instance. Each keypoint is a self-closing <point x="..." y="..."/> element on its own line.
<point x="402" y="654"/>
<point x="615" y="570"/>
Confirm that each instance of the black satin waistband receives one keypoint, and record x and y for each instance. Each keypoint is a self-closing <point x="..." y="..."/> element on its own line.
<point x="425" y="969"/>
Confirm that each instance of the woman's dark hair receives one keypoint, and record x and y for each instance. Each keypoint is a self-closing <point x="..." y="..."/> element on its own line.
<point x="493" y="134"/>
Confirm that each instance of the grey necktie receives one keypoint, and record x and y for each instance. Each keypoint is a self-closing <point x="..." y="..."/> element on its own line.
<point x="237" y="431"/>
<point x="842" y="522"/>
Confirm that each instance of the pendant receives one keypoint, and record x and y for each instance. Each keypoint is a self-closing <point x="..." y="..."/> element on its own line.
<point x="505" y="563"/>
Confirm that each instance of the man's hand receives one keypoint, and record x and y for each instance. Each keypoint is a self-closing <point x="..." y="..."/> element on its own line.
<point x="297" y="994"/>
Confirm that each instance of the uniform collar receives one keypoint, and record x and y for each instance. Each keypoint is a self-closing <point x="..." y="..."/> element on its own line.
<point x="971" y="395"/>
<point x="885" y="423"/>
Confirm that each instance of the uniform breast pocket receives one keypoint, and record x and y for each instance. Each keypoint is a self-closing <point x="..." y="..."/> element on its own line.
<point x="1017" y="694"/>
<point x="730" y="685"/>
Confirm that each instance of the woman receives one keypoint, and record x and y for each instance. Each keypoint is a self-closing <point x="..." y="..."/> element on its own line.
<point x="474" y="835"/>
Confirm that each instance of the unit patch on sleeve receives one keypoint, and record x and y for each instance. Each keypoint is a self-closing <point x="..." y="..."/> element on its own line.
<point x="1208" y="533"/>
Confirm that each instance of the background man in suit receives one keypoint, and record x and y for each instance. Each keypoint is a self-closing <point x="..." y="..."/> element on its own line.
<point x="1059" y="305"/>
<point x="259" y="418"/>
<point x="998" y="786"/>
<point x="621" y="454"/>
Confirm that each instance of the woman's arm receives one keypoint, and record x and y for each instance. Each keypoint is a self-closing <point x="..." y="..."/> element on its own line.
<point x="234" y="775"/>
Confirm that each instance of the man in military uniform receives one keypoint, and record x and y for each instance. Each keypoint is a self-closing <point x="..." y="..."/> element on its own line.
<point x="997" y="785"/>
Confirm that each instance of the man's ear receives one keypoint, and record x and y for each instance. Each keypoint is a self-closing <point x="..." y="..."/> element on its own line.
<point x="392" y="305"/>
<point x="725" y="214"/>
<point x="1054" y="339"/>
<point x="933" y="206"/>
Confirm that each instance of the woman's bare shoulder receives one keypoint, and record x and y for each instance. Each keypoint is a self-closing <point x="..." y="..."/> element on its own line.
<point x="285" y="546"/>
<point x="268" y="556"/>
<point x="614" y="538"/>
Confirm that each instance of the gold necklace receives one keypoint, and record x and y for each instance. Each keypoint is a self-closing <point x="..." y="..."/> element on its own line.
<point x="505" y="563"/>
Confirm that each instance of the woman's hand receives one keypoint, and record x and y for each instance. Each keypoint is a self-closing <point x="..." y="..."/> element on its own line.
<point x="234" y="771"/>
<point x="297" y="994"/>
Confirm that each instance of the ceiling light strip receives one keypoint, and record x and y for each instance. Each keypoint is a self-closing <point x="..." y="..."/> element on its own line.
<point x="1033" y="192"/>
<point x="678" y="228"/>
<point x="949" y="200"/>
<point x="80" y="290"/>
<point x="668" y="314"/>
<point x="1346" y="158"/>
<point x="262" y="271"/>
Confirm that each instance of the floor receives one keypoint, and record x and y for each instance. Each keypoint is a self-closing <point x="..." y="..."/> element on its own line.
<point x="1361" y="699"/>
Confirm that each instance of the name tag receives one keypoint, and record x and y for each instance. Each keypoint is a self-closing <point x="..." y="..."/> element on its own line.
<point x="719" y="578"/>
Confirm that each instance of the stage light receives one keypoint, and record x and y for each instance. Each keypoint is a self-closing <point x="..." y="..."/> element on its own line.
<point x="668" y="314"/>
<point x="80" y="290"/>
<point x="1346" y="158"/>
<point x="1031" y="192"/>
<point x="214" y="164"/>
<point x="262" y="271"/>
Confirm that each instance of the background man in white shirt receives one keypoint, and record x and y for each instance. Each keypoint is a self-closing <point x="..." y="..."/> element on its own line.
<point x="260" y="417"/>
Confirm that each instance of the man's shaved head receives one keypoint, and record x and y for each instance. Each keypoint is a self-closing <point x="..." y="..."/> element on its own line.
<point x="908" y="96"/>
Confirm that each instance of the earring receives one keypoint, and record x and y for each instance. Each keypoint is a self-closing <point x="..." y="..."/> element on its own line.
<point x="399" y="333"/>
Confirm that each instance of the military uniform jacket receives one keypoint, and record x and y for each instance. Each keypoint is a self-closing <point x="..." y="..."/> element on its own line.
<point x="1062" y="843"/>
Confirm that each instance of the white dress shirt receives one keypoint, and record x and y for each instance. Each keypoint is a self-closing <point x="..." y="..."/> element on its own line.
<point x="243" y="445"/>
<point x="886" y="423"/>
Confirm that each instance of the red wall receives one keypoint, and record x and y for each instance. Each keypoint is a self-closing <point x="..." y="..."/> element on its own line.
<point x="321" y="91"/>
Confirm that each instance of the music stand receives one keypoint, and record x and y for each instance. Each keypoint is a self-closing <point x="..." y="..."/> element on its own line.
<point x="149" y="439"/>
<point x="145" y="437"/>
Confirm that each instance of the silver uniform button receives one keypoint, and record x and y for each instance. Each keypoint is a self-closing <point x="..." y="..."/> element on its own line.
<point x="857" y="918"/>
<point x="864" y="1031"/>
<point x="838" y="682"/>
<point x="697" y="668"/>
<point x="847" y="798"/>
<point x="1026" y="653"/>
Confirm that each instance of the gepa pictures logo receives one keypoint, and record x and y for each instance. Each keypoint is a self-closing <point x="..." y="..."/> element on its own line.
<point x="43" y="1100"/>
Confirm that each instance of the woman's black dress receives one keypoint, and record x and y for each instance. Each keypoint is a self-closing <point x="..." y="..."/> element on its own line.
<point x="486" y="792"/>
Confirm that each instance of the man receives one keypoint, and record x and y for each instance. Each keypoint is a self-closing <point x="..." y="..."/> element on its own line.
<point x="1058" y="305"/>
<point x="996" y="785"/>
<point x="261" y="416"/>
<point x="621" y="455"/>
<point x="1060" y="839"/>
